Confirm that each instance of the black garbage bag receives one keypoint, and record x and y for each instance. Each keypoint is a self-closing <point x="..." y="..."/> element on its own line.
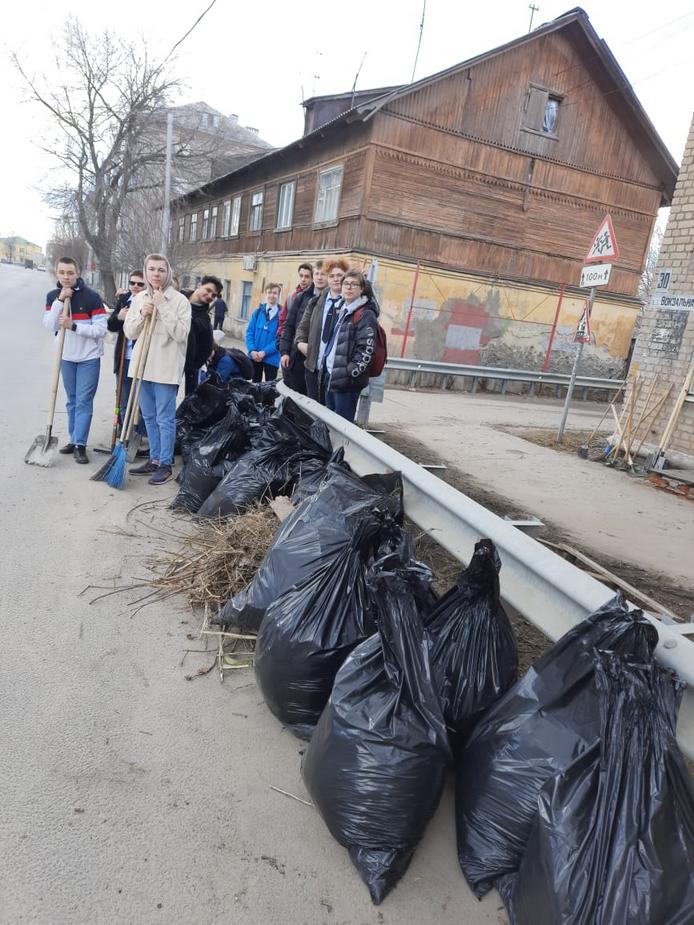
<point x="313" y="473"/>
<point x="309" y="630"/>
<point x="474" y="649"/>
<point x="613" y="839"/>
<point x="315" y="532"/>
<point x="376" y="764"/>
<point x="211" y="458"/>
<point x="279" y="449"/>
<point x="534" y="731"/>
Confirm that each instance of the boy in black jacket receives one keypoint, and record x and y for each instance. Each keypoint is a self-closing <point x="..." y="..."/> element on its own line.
<point x="200" y="340"/>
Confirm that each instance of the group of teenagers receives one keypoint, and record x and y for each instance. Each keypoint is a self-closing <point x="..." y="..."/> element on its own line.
<point x="323" y="338"/>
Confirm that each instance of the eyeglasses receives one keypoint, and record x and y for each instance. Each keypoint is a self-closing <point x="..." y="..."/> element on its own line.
<point x="135" y="282"/>
<point x="353" y="285"/>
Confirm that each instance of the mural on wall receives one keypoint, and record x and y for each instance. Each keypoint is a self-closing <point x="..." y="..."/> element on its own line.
<point x="457" y="318"/>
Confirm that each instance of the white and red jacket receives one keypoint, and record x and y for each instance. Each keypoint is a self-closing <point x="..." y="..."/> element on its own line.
<point x="89" y="317"/>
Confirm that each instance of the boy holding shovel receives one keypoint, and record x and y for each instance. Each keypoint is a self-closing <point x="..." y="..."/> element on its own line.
<point x="85" y="328"/>
<point x="163" y="369"/>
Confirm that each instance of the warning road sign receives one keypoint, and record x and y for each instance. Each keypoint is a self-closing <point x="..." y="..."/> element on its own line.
<point x="604" y="244"/>
<point x="583" y="333"/>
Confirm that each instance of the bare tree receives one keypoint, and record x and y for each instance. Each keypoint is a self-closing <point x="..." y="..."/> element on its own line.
<point x="108" y="109"/>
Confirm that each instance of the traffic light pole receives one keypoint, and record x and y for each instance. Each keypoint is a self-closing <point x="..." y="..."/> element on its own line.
<point x="574" y="373"/>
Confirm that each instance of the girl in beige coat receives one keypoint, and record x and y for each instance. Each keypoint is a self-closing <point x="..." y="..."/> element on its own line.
<point x="170" y="313"/>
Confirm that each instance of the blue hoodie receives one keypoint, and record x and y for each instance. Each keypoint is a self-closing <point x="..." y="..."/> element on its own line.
<point x="261" y="334"/>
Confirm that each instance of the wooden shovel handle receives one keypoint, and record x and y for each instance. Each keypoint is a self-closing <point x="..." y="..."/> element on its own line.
<point x="137" y="379"/>
<point x="58" y="361"/>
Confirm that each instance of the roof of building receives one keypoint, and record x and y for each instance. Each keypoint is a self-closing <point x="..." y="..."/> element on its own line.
<point x="369" y="102"/>
<point x="15" y="239"/>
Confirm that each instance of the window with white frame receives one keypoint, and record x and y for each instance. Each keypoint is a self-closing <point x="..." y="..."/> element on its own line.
<point x="213" y="221"/>
<point x="235" y="215"/>
<point x="255" y="215"/>
<point x="285" y="205"/>
<point x="181" y="229"/>
<point x="205" y="224"/>
<point x="328" y="198"/>
<point x="226" y="218"/>
<point x="193" y="227"/>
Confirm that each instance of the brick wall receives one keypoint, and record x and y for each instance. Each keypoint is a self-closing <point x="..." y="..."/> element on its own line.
<point x="665" y="346"/>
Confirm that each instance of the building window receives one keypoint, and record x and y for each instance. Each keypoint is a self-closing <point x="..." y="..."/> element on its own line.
<point x="285" y="206"/>
<point x="541" y="111"/>
<point x="255" y="216"/>
<point x="205" y="224"/>
<point x="329" y="186"/>
<point x="549" y="121"/>
<point x="181" y="229"/>
<point x="235" y="215"/>
<point x="246" y="290"/>
<point x="213" y="221"/>
<point x="193" y="227"/>
<point x="226" y="218"/>
<point x="227" y="291"/>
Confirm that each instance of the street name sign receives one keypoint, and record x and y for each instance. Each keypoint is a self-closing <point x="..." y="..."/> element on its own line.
<point x="604" y="244"/>
<point x="682" y="301"/>
<point x="598" y="275"/>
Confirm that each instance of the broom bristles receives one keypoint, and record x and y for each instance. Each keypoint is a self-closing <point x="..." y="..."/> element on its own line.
<point x="115" y="475"/>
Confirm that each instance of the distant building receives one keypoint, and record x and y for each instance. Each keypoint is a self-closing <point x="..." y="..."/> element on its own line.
<point x="17" y="250"/>
<point x="664" y="351"/>
<point x="493" y="175"/>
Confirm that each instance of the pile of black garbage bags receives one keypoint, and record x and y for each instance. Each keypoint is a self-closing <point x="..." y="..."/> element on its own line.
<point x="572" y="797"/>
<point x="238" y="449"/>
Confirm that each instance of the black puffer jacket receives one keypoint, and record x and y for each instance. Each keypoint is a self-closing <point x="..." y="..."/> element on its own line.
<point x="355" y="347"/>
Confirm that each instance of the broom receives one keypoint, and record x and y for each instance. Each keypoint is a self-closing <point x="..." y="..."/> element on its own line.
<point x="116" y="413"/>
<point x="113" y="470"/>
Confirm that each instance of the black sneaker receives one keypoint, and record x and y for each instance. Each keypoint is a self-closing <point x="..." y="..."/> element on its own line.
<point x="81" y="454"/>
<point x="163" y="474"/>
<point x="68" y="449"/>
<point x="146" y="469"/>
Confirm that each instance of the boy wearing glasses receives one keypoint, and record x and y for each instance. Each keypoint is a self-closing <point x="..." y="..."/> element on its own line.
<point x="136" y="283"/>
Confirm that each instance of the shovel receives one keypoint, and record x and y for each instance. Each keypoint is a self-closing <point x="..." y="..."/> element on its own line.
<point x="42" y="450"/>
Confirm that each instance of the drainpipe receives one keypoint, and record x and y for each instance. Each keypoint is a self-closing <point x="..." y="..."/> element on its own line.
<point x="409" y="313"/>
<point x="545" y="365"/>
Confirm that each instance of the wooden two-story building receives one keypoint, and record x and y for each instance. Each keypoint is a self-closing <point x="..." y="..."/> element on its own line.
<point x="483" y="183"/>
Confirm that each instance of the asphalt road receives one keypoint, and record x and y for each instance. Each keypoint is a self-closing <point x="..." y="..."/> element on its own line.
<point x="131" y="795"/>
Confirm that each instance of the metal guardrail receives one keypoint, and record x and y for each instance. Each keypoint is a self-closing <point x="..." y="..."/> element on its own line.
<point x="496" y="372"/>
<point x="548" y="591"/>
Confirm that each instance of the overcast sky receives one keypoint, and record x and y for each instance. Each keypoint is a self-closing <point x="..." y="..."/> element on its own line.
<point x="257" y="60"/>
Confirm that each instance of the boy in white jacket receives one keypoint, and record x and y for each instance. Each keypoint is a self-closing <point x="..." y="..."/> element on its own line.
<point x="82" y="350"/>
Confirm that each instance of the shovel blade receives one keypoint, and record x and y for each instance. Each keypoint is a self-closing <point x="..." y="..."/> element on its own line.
<point x="42" y="451"/>
<point x="134" y="441"/>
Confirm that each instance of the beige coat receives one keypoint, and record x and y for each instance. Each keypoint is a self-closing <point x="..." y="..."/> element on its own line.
<point x="167" y="352"/>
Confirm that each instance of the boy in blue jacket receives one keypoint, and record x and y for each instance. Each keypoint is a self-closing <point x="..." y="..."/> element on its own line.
<point x="261" y="336"/>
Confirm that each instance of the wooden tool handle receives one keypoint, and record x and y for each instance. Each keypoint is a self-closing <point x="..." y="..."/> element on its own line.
<point x="137" y="378"/>
<point x="58" y="361"/>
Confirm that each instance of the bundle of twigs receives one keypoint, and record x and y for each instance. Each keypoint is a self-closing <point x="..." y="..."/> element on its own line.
<point x="217" y="560"/>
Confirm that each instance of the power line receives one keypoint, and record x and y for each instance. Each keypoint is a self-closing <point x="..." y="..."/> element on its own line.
<point x="199" y="19"/>
<point x="419" y="41"/>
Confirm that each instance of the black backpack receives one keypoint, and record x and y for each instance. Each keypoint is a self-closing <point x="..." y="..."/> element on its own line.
<point x="243" y="361"/>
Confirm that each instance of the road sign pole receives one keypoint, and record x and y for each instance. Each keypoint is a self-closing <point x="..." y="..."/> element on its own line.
<point x="574" y="373"/>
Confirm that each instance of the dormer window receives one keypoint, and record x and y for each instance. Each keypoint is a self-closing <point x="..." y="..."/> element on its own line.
<point x="549" y="122"/>
<point x="541" y="111"/>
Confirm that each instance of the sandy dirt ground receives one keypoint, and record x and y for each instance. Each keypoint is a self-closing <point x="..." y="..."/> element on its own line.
<point x="619" y="520"/>
<point x="131" y="795"/>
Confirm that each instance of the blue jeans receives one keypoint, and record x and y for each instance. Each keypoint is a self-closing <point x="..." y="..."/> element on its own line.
<point x="343" y="403"/>
<point x="158" y="408"/>
<point x="80" y="381"/>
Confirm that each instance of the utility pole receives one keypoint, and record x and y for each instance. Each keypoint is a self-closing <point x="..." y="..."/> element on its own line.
<point x="533" y="9"/>
<point x="574" y="373"/>
<point x="166" y="214"/>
